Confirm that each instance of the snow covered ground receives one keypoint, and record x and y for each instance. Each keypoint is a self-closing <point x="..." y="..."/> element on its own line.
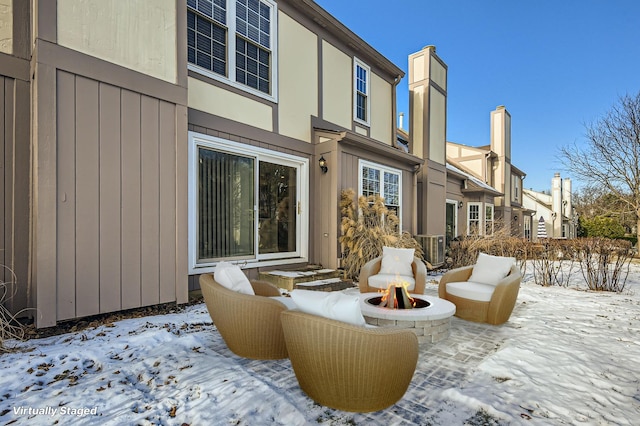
<point x="566" y="356"/>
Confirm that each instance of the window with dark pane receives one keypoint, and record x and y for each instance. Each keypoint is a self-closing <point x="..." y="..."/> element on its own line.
<point x="207" y="35"/>
<point x="253" y="44"/>
<point x="361" y="93"/>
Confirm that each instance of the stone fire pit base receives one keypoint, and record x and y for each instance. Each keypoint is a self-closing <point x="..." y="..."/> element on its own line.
<point x="427" y="331"/>
<point x="430" y="324"/>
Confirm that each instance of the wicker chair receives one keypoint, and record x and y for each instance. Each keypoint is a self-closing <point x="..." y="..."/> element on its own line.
<point x="373" y="268"/>
<point x="250" y="325"/>
<point x="347" y="367"/>
<point x="497" y="310"/>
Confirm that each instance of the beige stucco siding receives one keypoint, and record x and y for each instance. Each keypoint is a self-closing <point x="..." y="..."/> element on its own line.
<point x="298" y="70"/>
<point x="417" y="121"/>
<point x="439" y="74"/>
<point x="337" y="87"/>
<point x="381" y="109"/>
<point x="137" y="34"/>
<point x="6" y="26"/>
<point x="437" y="106"/>
<point x="217" y="101"/>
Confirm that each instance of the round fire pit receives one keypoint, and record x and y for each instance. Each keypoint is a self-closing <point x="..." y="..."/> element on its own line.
<point x="430" y="324"/>
<point x="419" y="303"/>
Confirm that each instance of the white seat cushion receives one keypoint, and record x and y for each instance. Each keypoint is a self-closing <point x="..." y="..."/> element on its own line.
<point x="332" y="304"/>
<point x="382" y="281"/>
<point x="491" y="269"/>
<point x="397" y="261"/>
<point x="286" y="301"/>
<point x="470" y="290"/>
<point x="232" y="277"/>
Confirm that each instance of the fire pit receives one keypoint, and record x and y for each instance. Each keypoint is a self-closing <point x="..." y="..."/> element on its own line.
<point x="417" y="304"/>
<point x="429" y="319"/>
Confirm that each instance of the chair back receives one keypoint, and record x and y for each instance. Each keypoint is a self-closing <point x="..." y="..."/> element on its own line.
<point x="250" y="325"/>
<point x="348" y="367"/>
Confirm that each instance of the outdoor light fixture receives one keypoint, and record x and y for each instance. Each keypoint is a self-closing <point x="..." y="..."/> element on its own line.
<point x="460" y="204"/>
<point x="323" y="164"/>
<point x="515" y="218"/>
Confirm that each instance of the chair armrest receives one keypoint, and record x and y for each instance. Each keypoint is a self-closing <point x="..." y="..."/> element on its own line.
<point x="372" y="267"/>
<point x="264" y="288"/>
<point x="504" y="297"/>
<point x="454" y="275"/>
<point x="419" y="274"/>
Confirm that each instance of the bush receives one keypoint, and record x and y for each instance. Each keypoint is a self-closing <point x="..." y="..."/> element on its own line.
<point x="605" y="263"/>
<point x="553" y="260"/>
<point x="366" y="228"/>
<point x="605" y="227"/>
<point x="464" y="251"/>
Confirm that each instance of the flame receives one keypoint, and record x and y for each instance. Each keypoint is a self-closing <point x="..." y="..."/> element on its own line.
<point x="391" y="290"/>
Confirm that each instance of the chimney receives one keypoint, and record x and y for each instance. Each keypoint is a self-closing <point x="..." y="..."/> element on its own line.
<point x="428" y="136"/>
<point x="501" y="145"/>
<point x="401" y="121"/>
<point x="556" y="205"/>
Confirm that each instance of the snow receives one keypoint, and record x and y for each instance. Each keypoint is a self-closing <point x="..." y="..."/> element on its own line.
<point x="566" y="356"/>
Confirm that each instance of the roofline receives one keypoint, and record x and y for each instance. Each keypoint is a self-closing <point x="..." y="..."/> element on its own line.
<point x="325" y="19"/>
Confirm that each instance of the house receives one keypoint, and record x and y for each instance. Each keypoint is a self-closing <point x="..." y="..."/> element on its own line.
<point x="555" y="208"/>
<point x="144" y="142"/>
<point x="492" y="166"/>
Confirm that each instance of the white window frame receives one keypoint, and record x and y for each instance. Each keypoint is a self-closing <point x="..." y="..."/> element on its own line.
<point x="382" y="169"/>
<point x="358" y="63"/>
<point x="302" y="237"/>
<point x="527" y="226"/>
<point x="489" y="222"/>
<point x="230" y="79"/>
<point x="455" y="216"/>
<point x="480" y="216"/>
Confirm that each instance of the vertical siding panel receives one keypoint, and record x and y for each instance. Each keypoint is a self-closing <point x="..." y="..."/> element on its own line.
<point x="21" y="194"/>
<point x="5" y="117"/>
<point x="109" y="198"/>
<point x="87" y="198"/>
<point x="66" y="197"/>
<point x="182" y="217"/>
<point x="150" y="201"/>
<point x="167" y="202"/>
<point x="7" y="161"/>
<point x="130" y="219"/>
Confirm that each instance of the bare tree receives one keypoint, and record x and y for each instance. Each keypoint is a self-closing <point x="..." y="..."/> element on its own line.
<point x="609" y="159"/>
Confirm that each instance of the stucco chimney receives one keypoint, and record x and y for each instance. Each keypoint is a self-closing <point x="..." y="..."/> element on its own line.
<point x="428" y="135"/>
<point x="556" y="205"/>
<point x="401" y="121"/>
<point x="501" y="145"/>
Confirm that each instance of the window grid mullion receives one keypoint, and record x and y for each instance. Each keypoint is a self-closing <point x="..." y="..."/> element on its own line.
<point x="231" y="38"/>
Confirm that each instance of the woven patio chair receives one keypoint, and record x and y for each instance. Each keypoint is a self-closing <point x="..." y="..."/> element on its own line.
<point x="348" y="367"/>
<point x="490" y="304"/>
<point x="249" y="324"/>
<point x="372" y="268"/>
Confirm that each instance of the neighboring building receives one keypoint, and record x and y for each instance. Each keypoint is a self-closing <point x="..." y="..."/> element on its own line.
<point x="491" y="187"/>
<point x="146" y="141"/>
<point x="555" y="207"/>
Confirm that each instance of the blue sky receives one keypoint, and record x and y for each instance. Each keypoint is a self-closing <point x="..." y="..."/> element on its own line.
<point x="555" y="65"/>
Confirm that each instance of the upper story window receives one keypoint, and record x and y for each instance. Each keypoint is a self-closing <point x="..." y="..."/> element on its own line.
<point x="361" y="77"/>
<point x="234" y="41"/>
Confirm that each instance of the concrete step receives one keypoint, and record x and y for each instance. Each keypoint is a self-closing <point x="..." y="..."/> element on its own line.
<point x="311" y="279"/>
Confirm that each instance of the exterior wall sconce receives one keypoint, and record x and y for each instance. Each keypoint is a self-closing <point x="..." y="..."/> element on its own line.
<point x="460" y="203"/>
<point x="515" y="218"/>
<point x="323" y="164"/>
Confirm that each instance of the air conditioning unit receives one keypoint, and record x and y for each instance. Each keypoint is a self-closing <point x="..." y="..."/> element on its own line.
<point x="433" y="248"/>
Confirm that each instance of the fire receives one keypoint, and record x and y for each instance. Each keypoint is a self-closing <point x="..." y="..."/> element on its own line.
<point x="397" y="296"/>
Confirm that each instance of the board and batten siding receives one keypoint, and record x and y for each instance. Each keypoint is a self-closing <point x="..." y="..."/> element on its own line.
<point x="14" y="190"/>
<point x="116" y="201"/>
